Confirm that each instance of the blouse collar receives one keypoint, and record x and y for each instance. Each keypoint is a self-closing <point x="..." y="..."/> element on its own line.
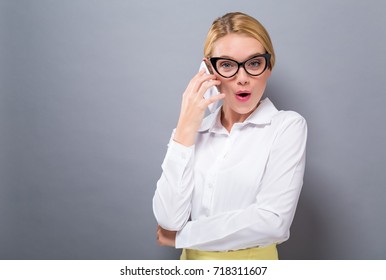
<point x="262" y="115"/>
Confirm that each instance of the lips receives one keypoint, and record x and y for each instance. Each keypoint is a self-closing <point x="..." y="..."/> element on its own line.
<point x="243" y="95"/>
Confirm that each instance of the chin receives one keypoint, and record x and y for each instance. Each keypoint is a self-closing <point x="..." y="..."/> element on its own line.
<point x="241" y="108"/>
<point x="245" y="110"/>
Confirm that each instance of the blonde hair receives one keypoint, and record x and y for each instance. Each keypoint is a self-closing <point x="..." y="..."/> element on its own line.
<point x="238" y="23"/>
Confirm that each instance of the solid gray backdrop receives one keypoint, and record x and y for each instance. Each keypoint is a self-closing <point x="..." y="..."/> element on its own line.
<point x="90" y="91"/>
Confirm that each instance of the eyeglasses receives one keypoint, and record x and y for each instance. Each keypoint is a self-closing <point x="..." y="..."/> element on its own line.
<point x="254" y="66"/>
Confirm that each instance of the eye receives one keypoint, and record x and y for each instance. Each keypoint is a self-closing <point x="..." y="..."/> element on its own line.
<point x="226" y="65"/>
<point x="255" y="63"/>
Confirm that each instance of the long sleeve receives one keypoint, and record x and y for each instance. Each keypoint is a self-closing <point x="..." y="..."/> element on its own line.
<point x="267" y="220"/>
<point x="172" y="199"/>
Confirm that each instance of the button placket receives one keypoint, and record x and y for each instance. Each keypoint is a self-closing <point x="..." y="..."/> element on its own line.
<point x="210" y="182"/>
<point x="209" y="189"/>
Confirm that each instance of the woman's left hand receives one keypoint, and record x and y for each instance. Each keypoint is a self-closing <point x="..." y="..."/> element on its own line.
<point x="166" y="237"/>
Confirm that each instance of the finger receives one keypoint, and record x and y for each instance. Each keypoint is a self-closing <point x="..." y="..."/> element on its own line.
<point x="161" y="240"/>
<point x="205" y="78"/>
<point x="197" y="82"/>
<point x="159" y="237"/>
<point x="207" y="85"/>
<point x="192" y="82"/>
<point x="214" y="98"/>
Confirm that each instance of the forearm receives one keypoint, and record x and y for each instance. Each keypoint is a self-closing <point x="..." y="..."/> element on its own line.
<point x="235" y="230"/>
<point x="172" y="199"/>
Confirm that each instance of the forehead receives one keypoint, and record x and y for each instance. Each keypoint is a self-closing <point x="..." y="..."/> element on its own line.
<point x="236" y="46"/>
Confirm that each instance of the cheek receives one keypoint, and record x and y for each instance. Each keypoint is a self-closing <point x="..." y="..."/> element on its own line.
<point x="225" y="84"/>
<point x="260" y="82"/>
<point x="259" y="87"/>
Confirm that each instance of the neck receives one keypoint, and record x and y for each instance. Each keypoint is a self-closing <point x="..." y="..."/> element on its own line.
<point x="230" y="117"/>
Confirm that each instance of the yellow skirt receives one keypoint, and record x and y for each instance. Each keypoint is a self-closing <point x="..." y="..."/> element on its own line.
<point x="257" y="253"/>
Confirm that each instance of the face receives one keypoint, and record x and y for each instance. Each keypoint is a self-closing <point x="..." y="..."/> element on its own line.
<point x="242" y="91"/>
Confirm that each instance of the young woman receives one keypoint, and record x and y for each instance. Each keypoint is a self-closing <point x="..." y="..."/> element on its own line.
<point x="231" y="181"/>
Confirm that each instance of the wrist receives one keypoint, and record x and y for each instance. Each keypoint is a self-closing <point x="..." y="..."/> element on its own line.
<point x="185" y="136"/>
<point x="186" y="140"/>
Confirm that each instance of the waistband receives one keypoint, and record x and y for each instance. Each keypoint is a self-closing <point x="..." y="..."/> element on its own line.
<point x="256" y="253"/>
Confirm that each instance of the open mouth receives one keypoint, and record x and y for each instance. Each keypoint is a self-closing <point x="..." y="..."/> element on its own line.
<point x="243" y="95"/>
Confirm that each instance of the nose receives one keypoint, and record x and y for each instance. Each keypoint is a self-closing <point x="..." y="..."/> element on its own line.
<point x="242" y="77"/>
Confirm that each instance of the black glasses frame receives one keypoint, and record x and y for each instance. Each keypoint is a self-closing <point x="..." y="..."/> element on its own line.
<point x="267" y="57"/>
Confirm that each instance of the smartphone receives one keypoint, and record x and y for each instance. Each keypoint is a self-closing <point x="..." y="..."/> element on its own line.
<point x="211" y="91"/>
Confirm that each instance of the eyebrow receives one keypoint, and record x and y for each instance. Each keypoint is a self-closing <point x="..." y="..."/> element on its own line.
<point x="249" y="57"/>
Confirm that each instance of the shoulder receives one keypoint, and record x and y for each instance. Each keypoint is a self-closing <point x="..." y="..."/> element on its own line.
<point x="289" y="122"/>
<point x="288" y="117"/>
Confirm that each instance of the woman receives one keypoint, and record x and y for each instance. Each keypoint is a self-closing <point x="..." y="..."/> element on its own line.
<point x="231" y="181"/>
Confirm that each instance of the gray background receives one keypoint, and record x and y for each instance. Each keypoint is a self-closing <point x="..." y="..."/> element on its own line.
<point x="90" y="91"/>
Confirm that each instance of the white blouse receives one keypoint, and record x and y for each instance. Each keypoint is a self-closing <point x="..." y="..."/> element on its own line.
<point x="234" y="190"/>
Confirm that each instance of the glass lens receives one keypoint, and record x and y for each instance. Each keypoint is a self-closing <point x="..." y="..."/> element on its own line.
<point x="256" y="65"/>
<point x="226" y="67"/>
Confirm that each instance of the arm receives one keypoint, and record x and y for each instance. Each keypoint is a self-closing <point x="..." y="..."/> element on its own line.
<point x="171" y="202"/>
<point x="267" y="220"/>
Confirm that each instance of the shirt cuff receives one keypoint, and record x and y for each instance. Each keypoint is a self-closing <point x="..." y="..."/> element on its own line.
<point x="178" y="152"/>
<point x="181" y="236"/>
